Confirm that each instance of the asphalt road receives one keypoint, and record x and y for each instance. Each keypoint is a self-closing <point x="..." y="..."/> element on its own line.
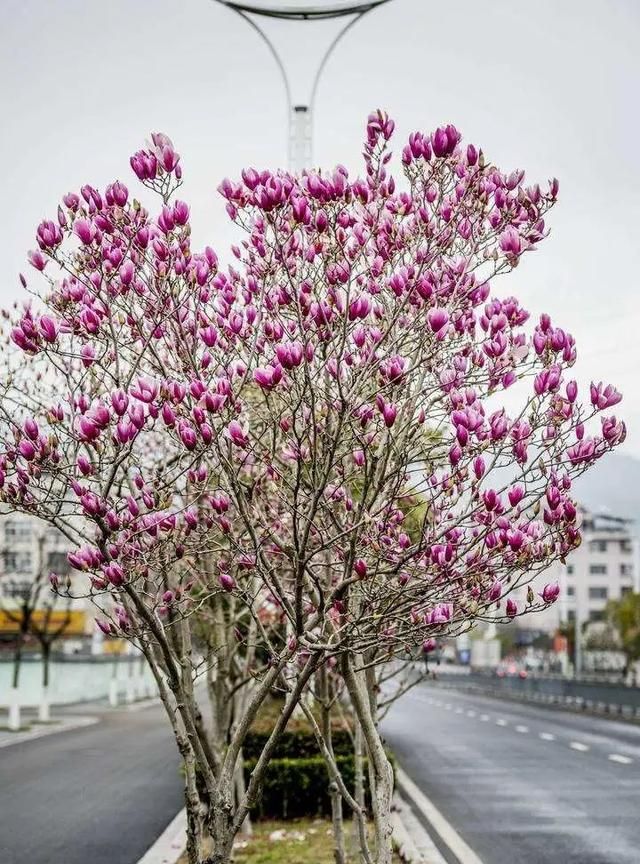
<point x="523" y="784"/>
<point x="96" y="795"/>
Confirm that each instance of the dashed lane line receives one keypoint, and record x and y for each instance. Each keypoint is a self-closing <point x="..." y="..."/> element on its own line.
<point x="547" y="736"/>
<point x="579" y="746"/>
<point x="620" y="759"/>
<point x="501" y="722"/>
<point x="522" y="729"/>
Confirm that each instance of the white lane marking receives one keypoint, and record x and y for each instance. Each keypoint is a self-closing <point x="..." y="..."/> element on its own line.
<point x="434" y="817"/>
<point x="438" y="702"/>
<point x="471" y="713"/>
<point x="579" y="746"/>
<point x="523" y="729"/>
<point x="501" y="722"/>
<point x="547" y="736"/>
<point x="448" y="706"/>
<point x="621" y="760"/>
<point x="459" y="711"/>
<point x="484" y="717"/>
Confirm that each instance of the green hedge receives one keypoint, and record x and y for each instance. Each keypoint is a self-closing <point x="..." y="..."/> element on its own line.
<point x="296" y="744"/>
<point x="295" y="788"/>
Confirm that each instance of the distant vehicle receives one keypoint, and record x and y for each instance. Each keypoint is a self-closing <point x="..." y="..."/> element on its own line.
<point x="511" y="670"/>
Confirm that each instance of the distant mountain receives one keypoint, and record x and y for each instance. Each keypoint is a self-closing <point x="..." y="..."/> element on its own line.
<point x="612" y="485"/>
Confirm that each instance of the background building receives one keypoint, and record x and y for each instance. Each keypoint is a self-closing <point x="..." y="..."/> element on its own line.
<point x="29" y="551"/>
<point x="604" y="567"/>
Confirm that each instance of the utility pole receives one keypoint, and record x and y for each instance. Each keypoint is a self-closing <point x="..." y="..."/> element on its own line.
<point x="347" y="13"/>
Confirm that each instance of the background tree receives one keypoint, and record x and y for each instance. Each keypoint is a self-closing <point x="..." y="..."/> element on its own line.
<point x="624" y="616"/>
<point x="247" y="443"/>
<point x="37" y="613"/>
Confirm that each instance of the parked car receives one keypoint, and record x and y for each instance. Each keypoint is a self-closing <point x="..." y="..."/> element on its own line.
<point x="511" y="669"/>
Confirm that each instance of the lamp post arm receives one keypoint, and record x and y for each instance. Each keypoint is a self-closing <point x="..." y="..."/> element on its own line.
<point x="327" y="54"/>
<point x="272" y="51"/>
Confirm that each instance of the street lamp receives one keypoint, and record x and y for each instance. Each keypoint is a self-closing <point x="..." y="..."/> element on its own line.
<point x="301" y="115"/>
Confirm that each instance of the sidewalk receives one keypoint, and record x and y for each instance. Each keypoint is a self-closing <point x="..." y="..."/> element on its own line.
<point x="65" y="718"/>
<point x="61" y="723"/>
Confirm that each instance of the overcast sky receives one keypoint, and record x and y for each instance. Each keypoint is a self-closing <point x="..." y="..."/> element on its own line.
<point x="551" y="87"/>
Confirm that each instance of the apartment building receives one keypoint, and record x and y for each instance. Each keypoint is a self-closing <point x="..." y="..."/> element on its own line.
<point x="29" y="551"/>
<point x="604" y="567"/>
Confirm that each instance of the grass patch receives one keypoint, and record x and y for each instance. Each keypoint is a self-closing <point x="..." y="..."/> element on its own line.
<point x="301" y="841"/>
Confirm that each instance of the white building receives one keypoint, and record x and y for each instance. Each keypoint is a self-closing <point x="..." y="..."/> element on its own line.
<point x="30" y="550"/>
<point x="604" y="567"/>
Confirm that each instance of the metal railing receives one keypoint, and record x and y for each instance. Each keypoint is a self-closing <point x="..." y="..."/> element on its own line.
<point x="595" y="696"/>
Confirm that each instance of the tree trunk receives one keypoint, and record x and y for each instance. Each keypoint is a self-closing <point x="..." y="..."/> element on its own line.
<point x="240" y="788"/>
<point x="337" y="819"/>
<point x="380" y="770"/>
<point x="43" y="709"/>
<point x="358" y="765"/>
<point x="14" y="696"/>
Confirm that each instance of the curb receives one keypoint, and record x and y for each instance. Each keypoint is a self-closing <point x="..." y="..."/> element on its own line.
<point x="412" y="841"/>
<point x="53" y="728"/>
<point x="447" y="834"/>
<point x="170" y="844"/>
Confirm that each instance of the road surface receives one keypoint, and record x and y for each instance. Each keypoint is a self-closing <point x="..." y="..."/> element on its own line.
<point x="522" y="784"/>
<point x="97" y="795"/>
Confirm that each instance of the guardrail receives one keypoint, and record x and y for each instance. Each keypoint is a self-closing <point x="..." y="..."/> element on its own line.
<point x="599" y="697"/>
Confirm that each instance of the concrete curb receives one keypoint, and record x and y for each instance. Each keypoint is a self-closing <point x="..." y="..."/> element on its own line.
<point x="412" y="841"/>
<point x="450" y="838"/>
<point x="170" y="844"/>
<point x="54" y="727"/>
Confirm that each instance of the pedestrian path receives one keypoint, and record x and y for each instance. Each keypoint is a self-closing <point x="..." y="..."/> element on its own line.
<point x="33" y="730"/>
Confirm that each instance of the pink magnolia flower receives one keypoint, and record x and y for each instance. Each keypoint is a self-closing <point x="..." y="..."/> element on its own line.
<point x="237" y="434"/>
<point x="437" y="318"/>
<point x="268" y="377"/>
<point x="604" y="397"/>
<point x="550" y="592"/>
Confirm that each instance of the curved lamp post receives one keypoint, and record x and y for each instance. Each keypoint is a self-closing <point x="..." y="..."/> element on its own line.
<point x="301" y="115"/>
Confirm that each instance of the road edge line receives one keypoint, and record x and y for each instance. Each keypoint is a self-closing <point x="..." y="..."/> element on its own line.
<point x="444" y="829"/>
<point x="170" y="845"/>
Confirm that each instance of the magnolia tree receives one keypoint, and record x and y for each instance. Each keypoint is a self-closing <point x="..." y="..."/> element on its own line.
<point x="305" y="457"/>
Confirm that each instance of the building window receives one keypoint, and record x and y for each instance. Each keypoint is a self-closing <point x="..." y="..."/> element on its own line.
<point x="571" y="615"/>
<point x="16" y="562"/>
<point x="596" y="615"/>
<point x="626" y="569"/>
<point x="23" y="562"/>
<point x="598" y="545"/>
<point x="58" y="562"/>
<point x="570" y="569"/>
<point x="571" y="591"/>
<point x="626" y="546"/>
<point x="10" y="562"/>
<point x="16" y="588"/>
<point x="598" y="593"/>
<point x="626" y="589"/>
<point x="598" y="569"/>
<point x="14" y="530"/>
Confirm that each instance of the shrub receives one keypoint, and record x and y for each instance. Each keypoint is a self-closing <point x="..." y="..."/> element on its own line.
<point x="294" y="788"/>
